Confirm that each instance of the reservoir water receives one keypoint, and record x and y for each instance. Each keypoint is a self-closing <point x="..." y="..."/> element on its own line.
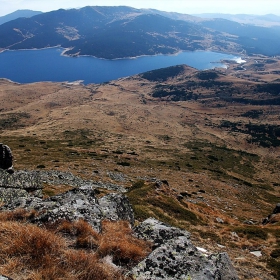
<point x="26" y="66"/>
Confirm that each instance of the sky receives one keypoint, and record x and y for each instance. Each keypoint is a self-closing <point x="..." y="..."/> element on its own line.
<point x="258" y="7"/>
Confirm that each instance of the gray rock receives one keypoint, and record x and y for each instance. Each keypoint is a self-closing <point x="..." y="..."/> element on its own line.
<point x="19" y="185"/>
<point x="79" y="203"/>
<point x="27" y="180"/>
<point x="9" y="195"/>
<point x="219" y="220"/>
<point x="117" y="176"/>
<point x="25" y="183"/>
<point x="116" y="207"/>
<point x="54" y="177"/>
<point x="158" y="232"/>
<point x="2" y="277"/>
<point x="257" y="253"/>
<point x="249" y="222"/>
<point x="175" y="257"/>
<point x="234" y="235"/>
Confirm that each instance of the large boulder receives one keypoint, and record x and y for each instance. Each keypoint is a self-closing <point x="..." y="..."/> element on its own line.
<point x="175" y="257"/>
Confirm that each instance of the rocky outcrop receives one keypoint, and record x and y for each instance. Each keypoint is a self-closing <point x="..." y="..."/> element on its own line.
<point x="175" y="257"/>
<point x="78" y="203"/>
<point x="20" y="180"/>
<point x="54" y="177"/>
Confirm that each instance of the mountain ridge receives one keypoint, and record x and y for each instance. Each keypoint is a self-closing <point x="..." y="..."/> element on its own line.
<point x="117" y="32"/>
<point x="17" y="14"/>
<point x="261" y="20"/>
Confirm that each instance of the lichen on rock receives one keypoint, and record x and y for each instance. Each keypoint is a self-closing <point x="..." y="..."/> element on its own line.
<point x="175" y="257"/>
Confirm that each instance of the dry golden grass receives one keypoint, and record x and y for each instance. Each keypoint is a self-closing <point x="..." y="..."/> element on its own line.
<point x="18" y="214"/>
<point x="117" y="240"/>
<point x="30" y="246"/>
<point x="86" y="236"/>
<point x="30" y="252"/>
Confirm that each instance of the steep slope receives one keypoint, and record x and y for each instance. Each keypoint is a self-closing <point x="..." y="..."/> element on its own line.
<point x="190" y="147"/>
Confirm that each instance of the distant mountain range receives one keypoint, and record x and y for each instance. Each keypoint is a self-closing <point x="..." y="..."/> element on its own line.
<point x="117" y="32"/>
<point x="18" y="14"/>
<point x="261" y="20"/>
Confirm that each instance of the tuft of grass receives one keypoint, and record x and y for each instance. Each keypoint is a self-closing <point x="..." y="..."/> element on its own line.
<point x="32" y="246"/>
<point x="211" y="235"/>
<point x="137" y="185"/>
<point x="117" y="240"/>
<point x="32" y="252"/>
<point x="18" y="214"/>
<point x="86" y="236"/>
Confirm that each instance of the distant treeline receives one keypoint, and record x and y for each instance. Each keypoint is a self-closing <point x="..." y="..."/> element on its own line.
<point x="265" y="135"/>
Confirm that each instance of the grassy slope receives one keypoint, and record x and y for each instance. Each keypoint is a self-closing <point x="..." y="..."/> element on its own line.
<point x="119" y="127"/>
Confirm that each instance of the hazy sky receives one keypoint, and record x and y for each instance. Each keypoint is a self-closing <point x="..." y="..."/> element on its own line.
<point x="182" y="6"/>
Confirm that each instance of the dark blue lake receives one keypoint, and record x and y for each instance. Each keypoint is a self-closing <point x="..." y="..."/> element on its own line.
<point x="26" y="66"/>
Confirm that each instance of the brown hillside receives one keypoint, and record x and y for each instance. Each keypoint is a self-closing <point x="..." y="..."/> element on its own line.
<point x="213" y="135"/>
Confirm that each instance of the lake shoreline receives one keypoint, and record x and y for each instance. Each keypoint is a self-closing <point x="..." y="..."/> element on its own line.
<point x="64" y="50"/>
<point x="53" y="64"/>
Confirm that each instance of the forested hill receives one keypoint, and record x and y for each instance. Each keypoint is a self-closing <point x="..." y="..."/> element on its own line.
<point x="117" y="32"/>
<point x="18" y="14"/>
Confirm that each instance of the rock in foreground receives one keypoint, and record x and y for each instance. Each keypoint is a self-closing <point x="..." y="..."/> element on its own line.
<point x="175" y="257"/>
